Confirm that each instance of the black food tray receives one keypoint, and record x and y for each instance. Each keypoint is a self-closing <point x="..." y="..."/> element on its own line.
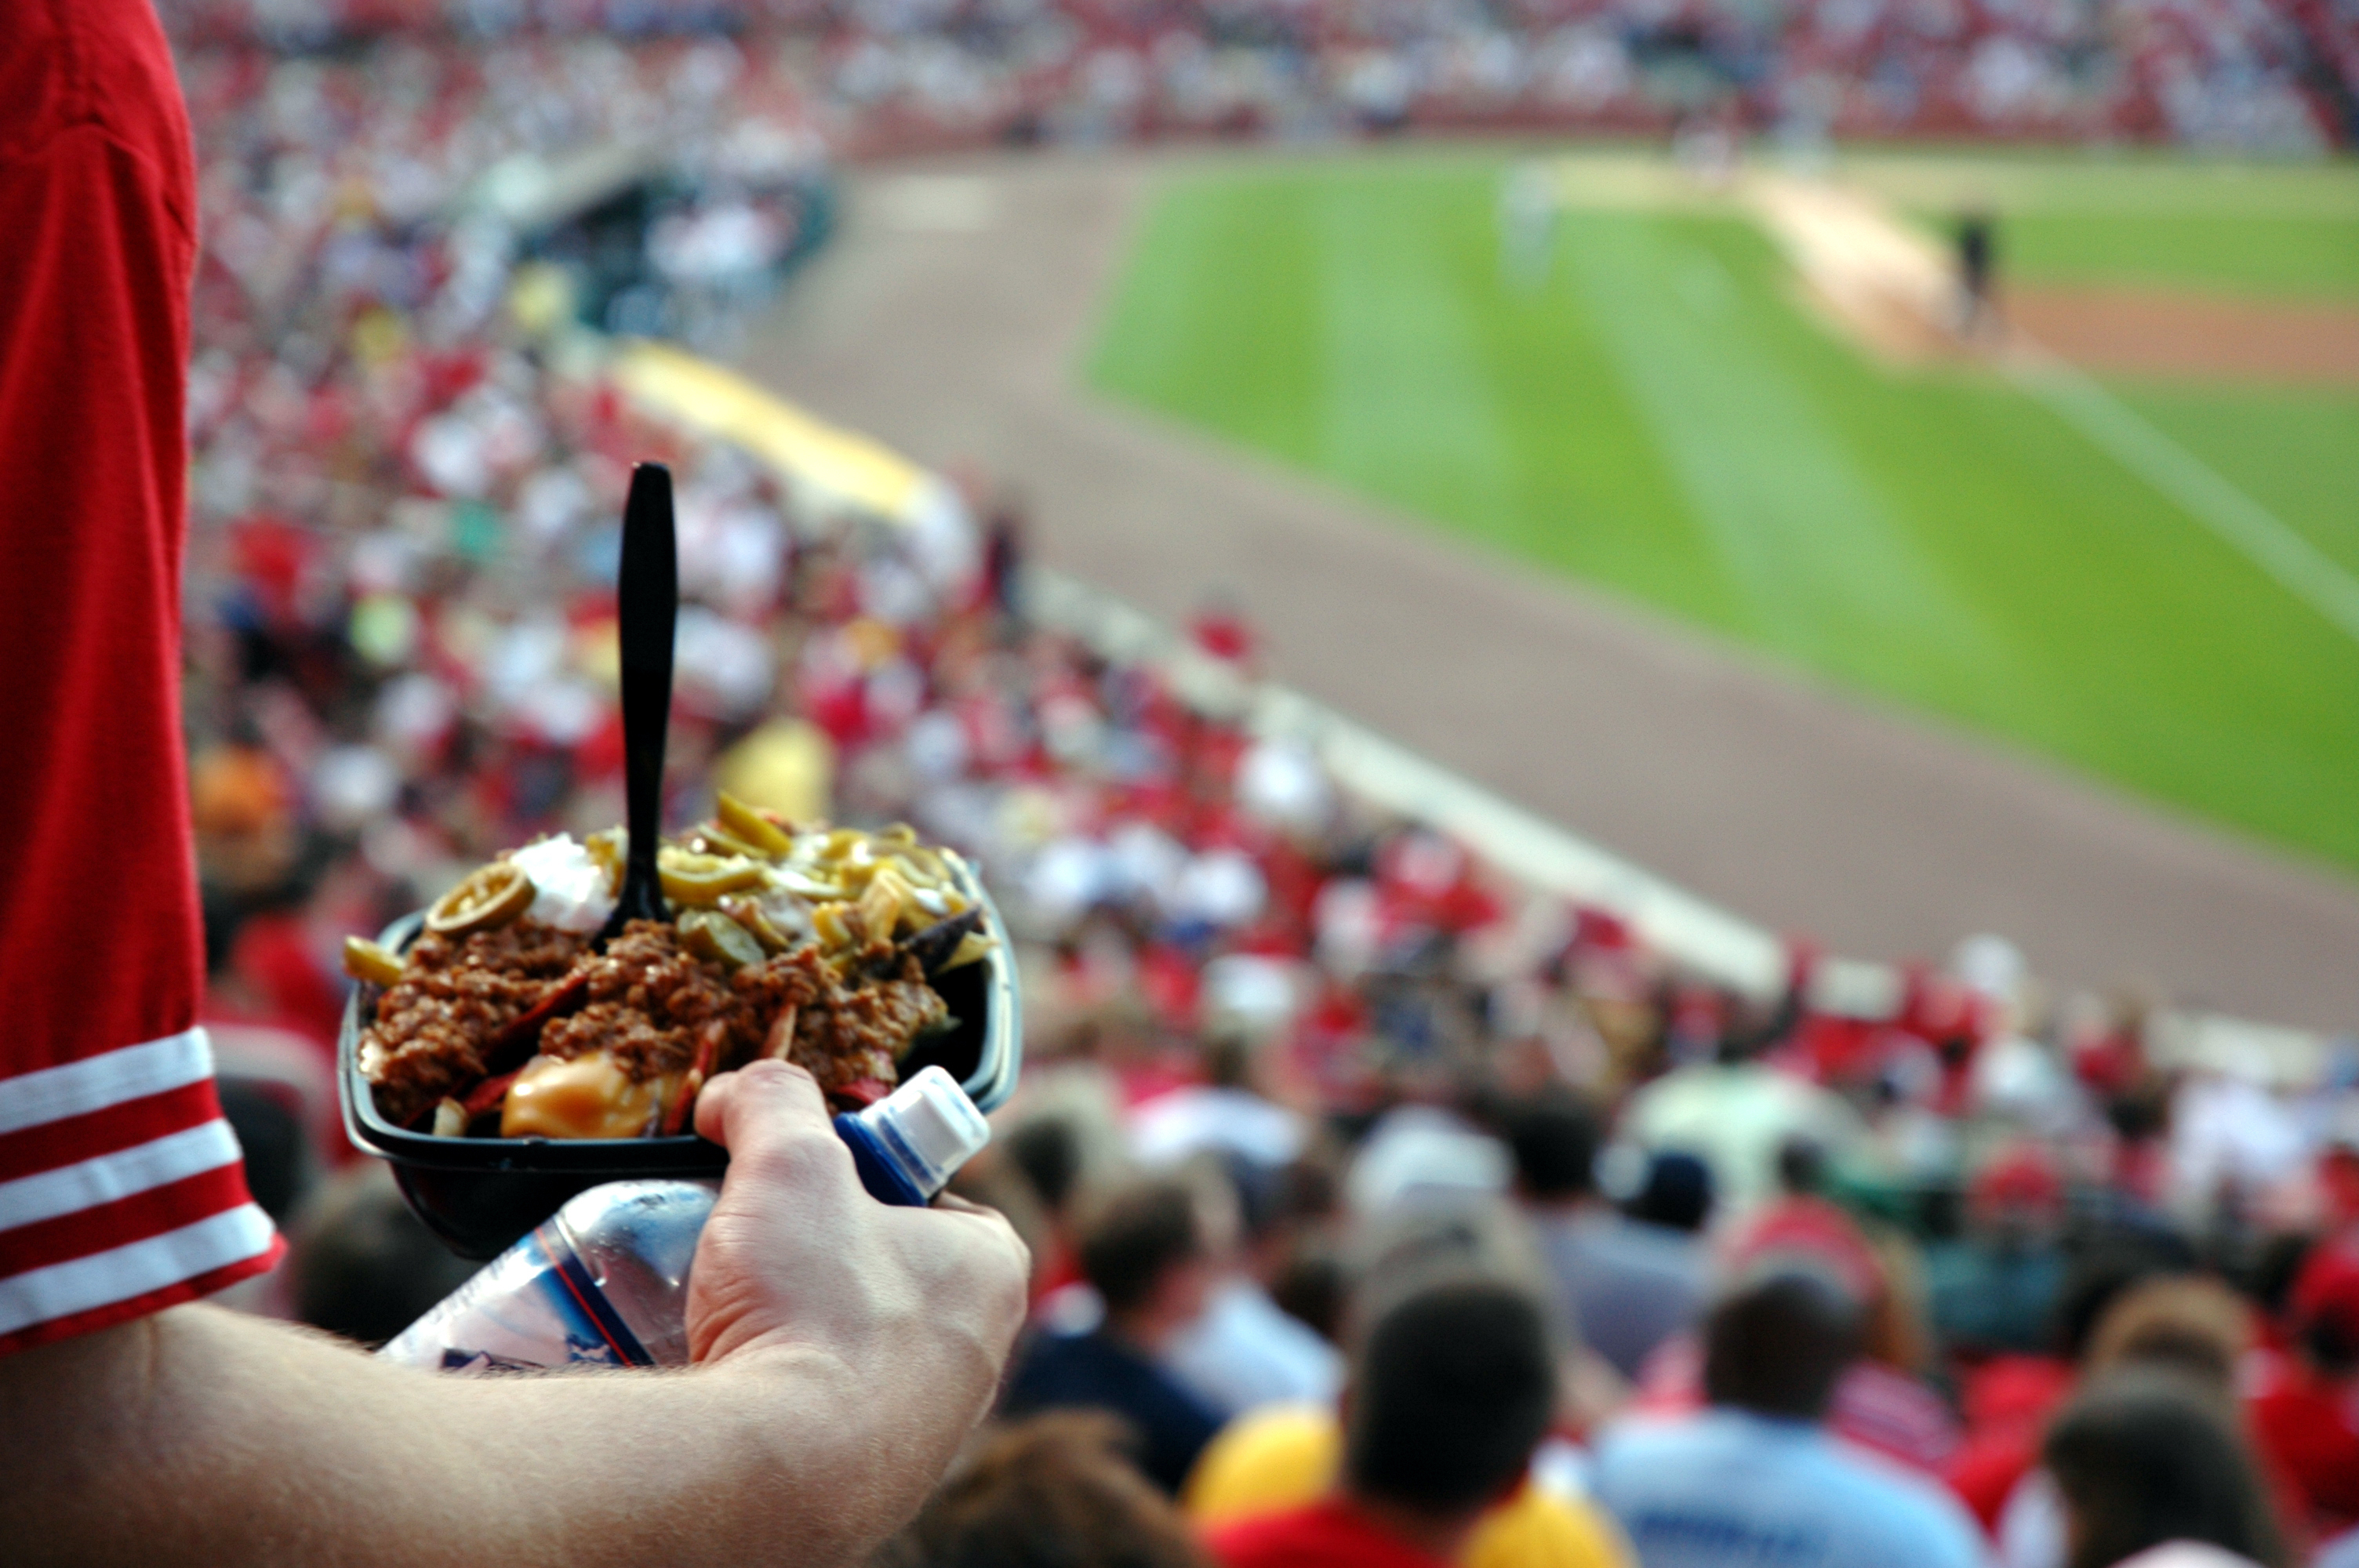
<point x="479" y="1194"/>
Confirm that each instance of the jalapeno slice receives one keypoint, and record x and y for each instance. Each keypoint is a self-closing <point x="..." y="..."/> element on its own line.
<point x="712" y="935"/>
<point x="838" y="927"/>
<point x="743" y="822"/>
<point x="490" y="896"/>
<point x="711" y="838"/>
<point x="700" y="879"/>
<point x="367" y="960"/>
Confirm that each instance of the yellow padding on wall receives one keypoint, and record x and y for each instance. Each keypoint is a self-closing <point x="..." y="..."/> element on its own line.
<point x="841" y="467"/>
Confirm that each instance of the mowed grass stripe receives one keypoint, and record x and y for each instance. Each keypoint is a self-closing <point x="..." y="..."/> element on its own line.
<point x="1822" y="559"/>
<point x="1659" y="417"/>
<point x="1409" y="390"/>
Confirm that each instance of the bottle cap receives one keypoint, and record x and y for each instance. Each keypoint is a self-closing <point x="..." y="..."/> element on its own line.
<point x="929" y="1127"/>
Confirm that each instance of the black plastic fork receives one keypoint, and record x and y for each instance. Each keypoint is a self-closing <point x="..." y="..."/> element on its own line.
<point x="646" y="591"/>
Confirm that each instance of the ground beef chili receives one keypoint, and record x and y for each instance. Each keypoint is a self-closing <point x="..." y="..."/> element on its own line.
<point x="849" y="1034"/>
<point x="647" y="1003"/>
<point x="651" y="1002"/>
<point x="453" y="999"/>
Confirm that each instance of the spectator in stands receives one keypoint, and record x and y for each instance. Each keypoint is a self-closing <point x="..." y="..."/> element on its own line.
<point x="1736" y="1112"/>
<point x="280" y="1168"/>
<point x="2304" y="1401"/>
<point x="1242" y="1145"/>
<point x="1450" y="1396"/>
<point x="1221" y="630"/>
<point x="2145" y="1458"/>
<point x="1226" y="1112"/>
<point x="2188" y="1326"/>
<point x="1046" y="1153"/>
<point x="1673" y="1191"/>
<point x="1629" y="1284"/>
<point x="1142" y="1252"/>
<point x="1003" y="561"/>
<point x="1996" y="1288"/>
<point x="1050" y="1492"/>
<point x="1285" y="1458"/>
<point x="2008" y="1398"/>
<point x="1244" y="1350"/>
<point x="1302" y="1259"/>
<point x="1756" y="1477"/>
<point x="1310" y="1285"/>
<point x="362" y="1264"/>
<point x="1881" y="1401"/>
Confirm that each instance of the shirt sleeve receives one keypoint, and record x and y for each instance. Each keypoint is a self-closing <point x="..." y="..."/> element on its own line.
<point x="121" y="1186"/>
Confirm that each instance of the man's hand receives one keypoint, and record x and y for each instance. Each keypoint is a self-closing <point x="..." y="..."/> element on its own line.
<point x="919" y="1306"/>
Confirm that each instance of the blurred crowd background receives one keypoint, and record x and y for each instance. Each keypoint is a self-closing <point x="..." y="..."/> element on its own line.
<point x="900" y="74"/>
<point x="1314" y="1096"/>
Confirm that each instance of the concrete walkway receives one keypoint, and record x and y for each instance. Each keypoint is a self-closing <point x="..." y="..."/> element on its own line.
<point x="947" y="319"/>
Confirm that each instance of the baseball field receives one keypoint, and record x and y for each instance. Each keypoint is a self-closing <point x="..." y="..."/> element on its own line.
<point x="2123" y="531"/>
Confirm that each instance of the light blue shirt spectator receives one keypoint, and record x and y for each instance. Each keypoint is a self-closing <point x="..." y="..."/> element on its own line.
<point x="1631" y="1285"/>
<point x="1727" y="1489"/>
<point x="1244" y="1351"/>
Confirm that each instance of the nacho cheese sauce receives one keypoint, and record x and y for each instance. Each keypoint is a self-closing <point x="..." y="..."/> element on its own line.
<point x="587" y="1097"/>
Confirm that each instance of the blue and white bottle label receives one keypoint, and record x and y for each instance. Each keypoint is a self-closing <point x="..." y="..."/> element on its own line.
<point x="535" y="1307"/>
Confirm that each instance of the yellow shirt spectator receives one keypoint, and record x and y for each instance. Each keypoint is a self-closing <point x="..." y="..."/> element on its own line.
<point x="1285" y="1456"/>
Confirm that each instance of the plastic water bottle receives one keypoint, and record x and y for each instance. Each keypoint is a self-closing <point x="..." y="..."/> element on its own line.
<point x="604" y="1281"/>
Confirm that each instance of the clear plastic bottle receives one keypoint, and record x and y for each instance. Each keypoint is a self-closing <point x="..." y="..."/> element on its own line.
<point x="604" y="1281"/>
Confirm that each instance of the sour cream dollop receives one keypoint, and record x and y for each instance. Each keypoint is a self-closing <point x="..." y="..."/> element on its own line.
<point x="568" y="884"/>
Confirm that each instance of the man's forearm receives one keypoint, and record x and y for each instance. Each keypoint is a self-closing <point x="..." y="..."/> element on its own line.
<point x="200" y="1435"/>
<point x="848" y="1347"/>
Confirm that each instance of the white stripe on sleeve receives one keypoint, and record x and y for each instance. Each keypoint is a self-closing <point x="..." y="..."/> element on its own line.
<point x="104" y="1178"/>
<point x="111" y="1078"/>
<point x="120" y="1273"/>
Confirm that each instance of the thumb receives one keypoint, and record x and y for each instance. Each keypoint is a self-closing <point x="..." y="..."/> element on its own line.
<point x="761" y="1098"/>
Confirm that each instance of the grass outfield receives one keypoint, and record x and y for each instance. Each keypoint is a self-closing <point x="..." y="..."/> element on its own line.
<point x="2282" y="231"/>
<point x="1659" y="417"/>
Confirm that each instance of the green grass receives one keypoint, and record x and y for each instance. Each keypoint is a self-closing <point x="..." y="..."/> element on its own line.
<point x="2286" y="232"/>
<point x="1657" y="417"/>
<point x="2269" y="256"/>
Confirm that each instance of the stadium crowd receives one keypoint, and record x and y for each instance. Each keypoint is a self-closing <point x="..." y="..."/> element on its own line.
<point x="2256" y="76"/>
<point x="1382" y="1210"/>
<point x="2275" y="75"/>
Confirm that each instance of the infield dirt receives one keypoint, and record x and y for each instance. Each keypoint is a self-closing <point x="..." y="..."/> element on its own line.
<point x="1889" y="289"/>
<point x="2139" y="331"/>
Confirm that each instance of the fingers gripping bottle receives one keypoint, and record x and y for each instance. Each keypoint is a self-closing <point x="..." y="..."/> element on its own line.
<point x="604" y="1281"/>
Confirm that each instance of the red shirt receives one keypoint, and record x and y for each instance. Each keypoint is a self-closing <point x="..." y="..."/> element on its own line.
<point x="2308" y="1429"/>
<point x="121" y="1189"/>
<point x="1329" y="1534"/>
<point x="2007" y="1402"/>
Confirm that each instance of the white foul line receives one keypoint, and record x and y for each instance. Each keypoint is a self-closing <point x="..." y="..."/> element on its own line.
<point x="1847" y="243"/>
<point x="2243" y="524"/>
